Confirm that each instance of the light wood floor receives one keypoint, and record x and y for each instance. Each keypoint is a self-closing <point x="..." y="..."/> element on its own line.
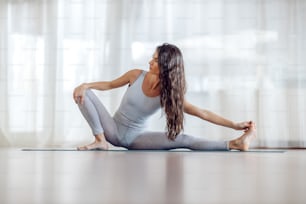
<point x="152" y="177"/>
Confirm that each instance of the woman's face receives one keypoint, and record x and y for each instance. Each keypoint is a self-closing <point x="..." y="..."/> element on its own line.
<point x="154" y="68"/>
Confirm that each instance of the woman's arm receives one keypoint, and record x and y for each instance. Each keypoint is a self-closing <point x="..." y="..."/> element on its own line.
<point x="127" y="78"/>
<point x="214" y="118"/>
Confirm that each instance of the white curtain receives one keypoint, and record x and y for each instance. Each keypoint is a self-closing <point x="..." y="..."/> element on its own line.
<point x="244" y="60"/>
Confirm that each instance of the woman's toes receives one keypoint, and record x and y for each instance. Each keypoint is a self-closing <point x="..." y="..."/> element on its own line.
<point x="82" y="148"/>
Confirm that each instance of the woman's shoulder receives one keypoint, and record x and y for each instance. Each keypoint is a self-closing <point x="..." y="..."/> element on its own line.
<point x="136" y="71"/>
<point x="134" y="74"/>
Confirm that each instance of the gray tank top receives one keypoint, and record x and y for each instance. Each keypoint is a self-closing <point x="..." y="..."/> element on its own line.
<point x="136" y="107"/>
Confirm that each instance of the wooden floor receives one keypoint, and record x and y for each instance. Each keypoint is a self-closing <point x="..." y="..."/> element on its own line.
<point x="151" y="177"/>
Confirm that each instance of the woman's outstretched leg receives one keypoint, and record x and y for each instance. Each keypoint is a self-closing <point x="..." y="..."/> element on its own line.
<point x="159" y="141"/>
<point x="101" y="123"/>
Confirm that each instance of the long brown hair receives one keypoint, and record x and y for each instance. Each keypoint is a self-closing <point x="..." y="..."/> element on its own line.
<point x="173" y="88"/>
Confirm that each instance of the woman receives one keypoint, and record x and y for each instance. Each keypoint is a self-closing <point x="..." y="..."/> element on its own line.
<point x="163" y="86"/>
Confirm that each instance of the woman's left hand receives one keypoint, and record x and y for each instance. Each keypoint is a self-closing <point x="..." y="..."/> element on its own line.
<point x="78" y="93"/>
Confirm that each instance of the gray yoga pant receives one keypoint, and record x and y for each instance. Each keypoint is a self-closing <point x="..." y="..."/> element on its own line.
<point x="100" y="121"/>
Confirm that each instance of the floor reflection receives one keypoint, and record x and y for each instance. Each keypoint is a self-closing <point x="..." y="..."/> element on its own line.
<point x="151" y="177"/>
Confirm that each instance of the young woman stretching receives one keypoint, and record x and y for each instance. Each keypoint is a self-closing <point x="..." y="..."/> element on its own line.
<point x="163" y="86"/>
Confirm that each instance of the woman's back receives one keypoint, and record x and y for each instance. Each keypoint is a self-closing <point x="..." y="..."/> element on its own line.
<point x="136" y="106"/>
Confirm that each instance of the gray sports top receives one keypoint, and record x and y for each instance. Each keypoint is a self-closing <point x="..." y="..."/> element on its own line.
<point x="136" y="107"/>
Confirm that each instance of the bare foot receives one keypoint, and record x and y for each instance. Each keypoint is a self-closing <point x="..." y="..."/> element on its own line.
<point x="96" y="145"/>
<point x="242" y="143"/>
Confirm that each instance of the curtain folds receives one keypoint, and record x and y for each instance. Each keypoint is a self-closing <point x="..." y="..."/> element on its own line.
<point x="244" y="60"/>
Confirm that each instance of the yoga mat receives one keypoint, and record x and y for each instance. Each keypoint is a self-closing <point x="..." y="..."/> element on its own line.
<point x="174" y="150"/>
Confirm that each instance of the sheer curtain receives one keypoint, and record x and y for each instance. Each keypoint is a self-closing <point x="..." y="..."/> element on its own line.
<point x="244" y="60"/>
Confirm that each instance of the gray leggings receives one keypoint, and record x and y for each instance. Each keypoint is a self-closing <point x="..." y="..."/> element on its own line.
<point x="100" y="122"/>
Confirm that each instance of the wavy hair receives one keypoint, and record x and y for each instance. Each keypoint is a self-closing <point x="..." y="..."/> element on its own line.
<point x="173" y="88"/>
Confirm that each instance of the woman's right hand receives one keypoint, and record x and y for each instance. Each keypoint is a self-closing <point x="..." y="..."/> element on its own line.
<point x="78" y="93"/>
<point x="244" y="125"/>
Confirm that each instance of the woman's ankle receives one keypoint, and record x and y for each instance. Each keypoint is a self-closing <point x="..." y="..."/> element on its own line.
<point x="100" y="138"/>
<point x="232" y="144"/>
<point x="237" y="144"/>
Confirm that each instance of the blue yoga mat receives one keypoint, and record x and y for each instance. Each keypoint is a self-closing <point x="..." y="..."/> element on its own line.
<point x="174" y="150"/>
